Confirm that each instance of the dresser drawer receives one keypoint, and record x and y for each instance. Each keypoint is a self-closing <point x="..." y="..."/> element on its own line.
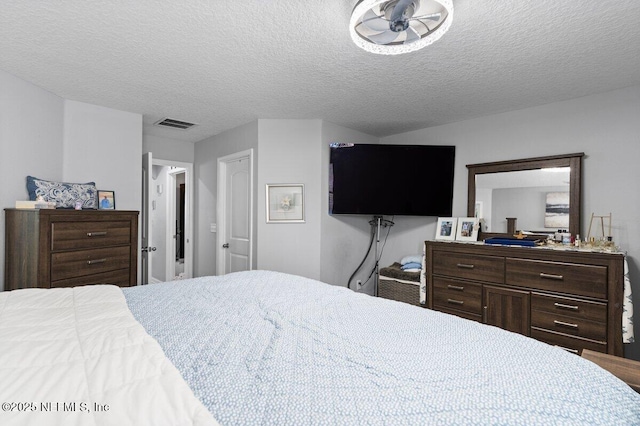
<point x="583" y="280"/>
<point x="462" y="314"/>
<point x="459" y="295"/>
<point x="570" y="343"/>
<point x="81" y="235"/>
<point x="480" y="268"/>
<point x="119" y="277"/>
<point x="87" y="262"/>
<point x="593" y="330"/>
<point x="567" y="306"/>
<point x="569" y="316"/>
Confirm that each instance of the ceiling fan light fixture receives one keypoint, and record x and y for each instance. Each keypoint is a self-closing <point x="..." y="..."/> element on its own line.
<point x="393" y="27"/>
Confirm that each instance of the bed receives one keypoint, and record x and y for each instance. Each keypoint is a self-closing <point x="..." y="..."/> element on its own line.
<point x="266" y="348"/>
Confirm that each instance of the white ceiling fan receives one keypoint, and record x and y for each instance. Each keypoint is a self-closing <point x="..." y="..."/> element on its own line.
<point x="399" y="26"/>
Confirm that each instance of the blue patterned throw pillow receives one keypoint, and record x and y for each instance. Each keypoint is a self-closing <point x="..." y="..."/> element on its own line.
<point x="62" y="193"/>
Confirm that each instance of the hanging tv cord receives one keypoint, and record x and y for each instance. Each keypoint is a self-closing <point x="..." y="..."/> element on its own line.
<point x="373" y="234"/>
<point x="376" y="268"/>
<point x="376" y="223"/>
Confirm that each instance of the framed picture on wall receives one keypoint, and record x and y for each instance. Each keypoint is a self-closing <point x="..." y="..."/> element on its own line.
<point x="285" y="203"/>
<point x="106" y="200"/>
<point x="467" y="229"/>
<point x="446" y="228"/>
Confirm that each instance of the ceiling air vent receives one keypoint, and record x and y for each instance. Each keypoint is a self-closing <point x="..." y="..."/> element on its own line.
<point x="174" y="124"/>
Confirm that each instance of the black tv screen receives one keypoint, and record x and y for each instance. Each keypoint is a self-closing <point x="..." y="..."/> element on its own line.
<point x="411" y="180"/>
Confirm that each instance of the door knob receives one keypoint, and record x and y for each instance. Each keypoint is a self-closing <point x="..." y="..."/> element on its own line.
<point x="225" y="245"/>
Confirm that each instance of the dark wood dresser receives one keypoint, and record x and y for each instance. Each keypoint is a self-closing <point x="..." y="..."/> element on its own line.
<point x="66" y="248"/>
<point x="571" y="299"/>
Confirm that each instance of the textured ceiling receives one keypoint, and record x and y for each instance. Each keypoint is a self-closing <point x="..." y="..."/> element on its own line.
<point x="225" y="63"/>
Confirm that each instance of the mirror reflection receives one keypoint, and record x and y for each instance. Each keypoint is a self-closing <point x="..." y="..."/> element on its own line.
<point x="539" y="199"/>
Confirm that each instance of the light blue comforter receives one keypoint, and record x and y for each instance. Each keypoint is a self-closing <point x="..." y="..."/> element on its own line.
<point x="266" y="348"/>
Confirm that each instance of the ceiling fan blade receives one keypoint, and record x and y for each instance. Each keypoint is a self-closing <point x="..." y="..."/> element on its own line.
<point x="432" y="17"/>
<point x="384" y="37"/>
<point x="374" y="22"/>
<point x="412" y="35"/>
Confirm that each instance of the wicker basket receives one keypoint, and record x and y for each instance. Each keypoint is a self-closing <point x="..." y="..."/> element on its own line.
<point x="390" y="288"/>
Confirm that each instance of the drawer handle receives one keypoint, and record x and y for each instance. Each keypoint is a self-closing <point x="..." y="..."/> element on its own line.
<point x="551" y="276"/>
<point x="455" y="287"/>
<point x="455" y="302"/>
<point x="565" y="324"/>
<point x="563" y="306"/>
<point x="94" y="261"/>
<point x="573" y="351"/>
<point x="97" y="234"/>
<point x="465" y="266"/>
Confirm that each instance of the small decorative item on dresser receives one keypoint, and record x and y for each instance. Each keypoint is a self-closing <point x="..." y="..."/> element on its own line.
<point x="106" y="200"/>
<point x="446" y="228"/>
<point x="467" y="229"/>
<point x="600" y="219"/>
<point x="40" y="204"/>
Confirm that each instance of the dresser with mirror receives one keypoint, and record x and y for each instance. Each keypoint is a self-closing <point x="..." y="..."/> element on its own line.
<point x="571" y="298"/>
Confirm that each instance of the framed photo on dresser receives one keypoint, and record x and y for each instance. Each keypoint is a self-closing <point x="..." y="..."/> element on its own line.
<point x="446" y="228"/>
<point x="106" y="200"/>
<point x="467" y="229"/>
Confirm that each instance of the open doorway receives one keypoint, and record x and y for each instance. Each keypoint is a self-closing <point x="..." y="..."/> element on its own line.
<point x="168" y="221"/>
<point x="178" y="182"/>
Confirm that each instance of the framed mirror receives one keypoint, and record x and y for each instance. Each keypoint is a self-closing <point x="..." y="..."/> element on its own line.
<point x="535" y="195"/>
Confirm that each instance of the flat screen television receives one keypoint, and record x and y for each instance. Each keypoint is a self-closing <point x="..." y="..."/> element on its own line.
<point x="410" y="180"/>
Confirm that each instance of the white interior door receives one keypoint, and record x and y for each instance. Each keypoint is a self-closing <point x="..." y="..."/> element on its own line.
<point x="147" y="182"/>
<point x="235" y="213"/>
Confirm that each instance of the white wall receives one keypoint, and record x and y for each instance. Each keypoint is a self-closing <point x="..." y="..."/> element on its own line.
<point x="104" y="145"/>
<point x="291" y="152"/>
<point x="297" y="151"/>
<point x="168" y="149"/>
<point x="206" y="154"/>
<point x="605" y="127"/>
<point x="31" y="129"/>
